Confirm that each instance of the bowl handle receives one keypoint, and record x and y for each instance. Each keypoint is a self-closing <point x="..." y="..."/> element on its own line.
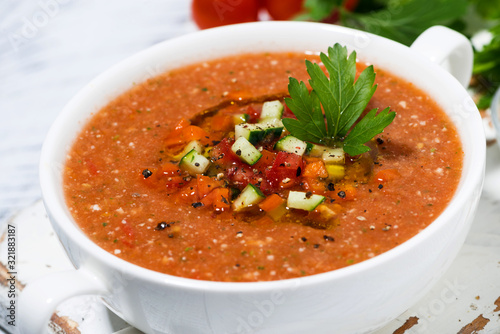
<point x="39" y="298"/>
<point x="449" y="49"/>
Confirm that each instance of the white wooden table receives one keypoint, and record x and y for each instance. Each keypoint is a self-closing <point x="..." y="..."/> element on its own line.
<point x="50" y="49"/>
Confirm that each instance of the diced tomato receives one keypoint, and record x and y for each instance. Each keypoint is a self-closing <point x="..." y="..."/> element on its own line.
<point x="253" y="113"/>
<point x="265" y="161"/>
<point x="222" y="154"/>
<point x="241" y="175"/>
<point x="205" y="185"/>
<point x="286" y="170"/>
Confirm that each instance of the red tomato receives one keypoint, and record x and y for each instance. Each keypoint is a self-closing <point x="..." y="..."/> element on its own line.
<point x="286" y="167"/>
<point x="350" y="5"/>
<point x="222" y="154"/>
<point x="214" y="13"/>
<point x="253" y="113"/>
<point x="283" y="10"/>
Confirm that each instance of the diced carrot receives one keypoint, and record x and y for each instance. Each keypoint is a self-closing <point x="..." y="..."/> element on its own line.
<point x="188" y="193"/>
<point x="205" y="184"/>
<point x="208" y="199"/>
<point x="193" y="132"/>
<point x="315" y="169"/>
<point x="221" y="199"/>
<point x="222" y="123"/>
<point x="271" y="202"/>
<point x="314" y="185"/>
<point x="385" y="175"/>
<point x="169" y="169"/>
<point x="218" y="198"/>
<point x="174" y="183"/>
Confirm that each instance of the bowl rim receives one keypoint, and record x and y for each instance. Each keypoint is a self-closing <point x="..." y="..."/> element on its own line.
<point x="66" y="223"/>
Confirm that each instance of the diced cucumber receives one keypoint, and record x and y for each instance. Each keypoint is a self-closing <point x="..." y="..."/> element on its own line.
<point x="192" y="145"/>
<point x="255" y="133"/>
<point x="251" y="195"/>
<point x="272" y="109"/>
<point x="304" y="201"/>
<point x="309" y="148"/>
<point x="241" y="118"/>
<point x="271" y="122"/>
<point x="194" y="163"/>
<point x="252" y="132"/>
<point x="291" y="144"/>
<point x="316" y="150"/>
<point x="334" y="156"/>
<point x="246" y="151"/>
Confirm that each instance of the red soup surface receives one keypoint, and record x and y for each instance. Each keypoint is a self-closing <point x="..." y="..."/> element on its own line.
<point x="127" y="192"/>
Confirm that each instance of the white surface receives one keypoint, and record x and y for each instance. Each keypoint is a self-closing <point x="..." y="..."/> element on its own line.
<point x="49" y="49"/>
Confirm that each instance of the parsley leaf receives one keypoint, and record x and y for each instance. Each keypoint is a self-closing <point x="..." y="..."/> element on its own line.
<point x="403" y="21"/>
<point x="341" y="98"/>
<point x="318" y="10"/>
<point x="487" y="68"/>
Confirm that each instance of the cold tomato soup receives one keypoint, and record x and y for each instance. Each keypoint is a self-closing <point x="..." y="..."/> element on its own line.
<point x="156" y="178"/>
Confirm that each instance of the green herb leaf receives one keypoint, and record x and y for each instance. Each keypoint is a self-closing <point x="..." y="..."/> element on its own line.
<point x="318" y="10"/>
<point x="487" y="68"/>
<point x="310" y="124"/>
<point x="405" y="20"/>
<point x="367" y="128"/>
<point x="342" y="98"/>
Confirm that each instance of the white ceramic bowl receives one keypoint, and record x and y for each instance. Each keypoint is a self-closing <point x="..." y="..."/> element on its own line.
<point x="495" y="114"/>
<point x="356" y="299"/>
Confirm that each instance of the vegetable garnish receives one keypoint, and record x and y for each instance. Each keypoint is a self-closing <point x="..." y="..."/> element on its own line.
<point x="341" y="98"/>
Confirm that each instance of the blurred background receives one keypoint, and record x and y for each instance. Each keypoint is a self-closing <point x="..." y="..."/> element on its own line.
<point x="49" y="49"/>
